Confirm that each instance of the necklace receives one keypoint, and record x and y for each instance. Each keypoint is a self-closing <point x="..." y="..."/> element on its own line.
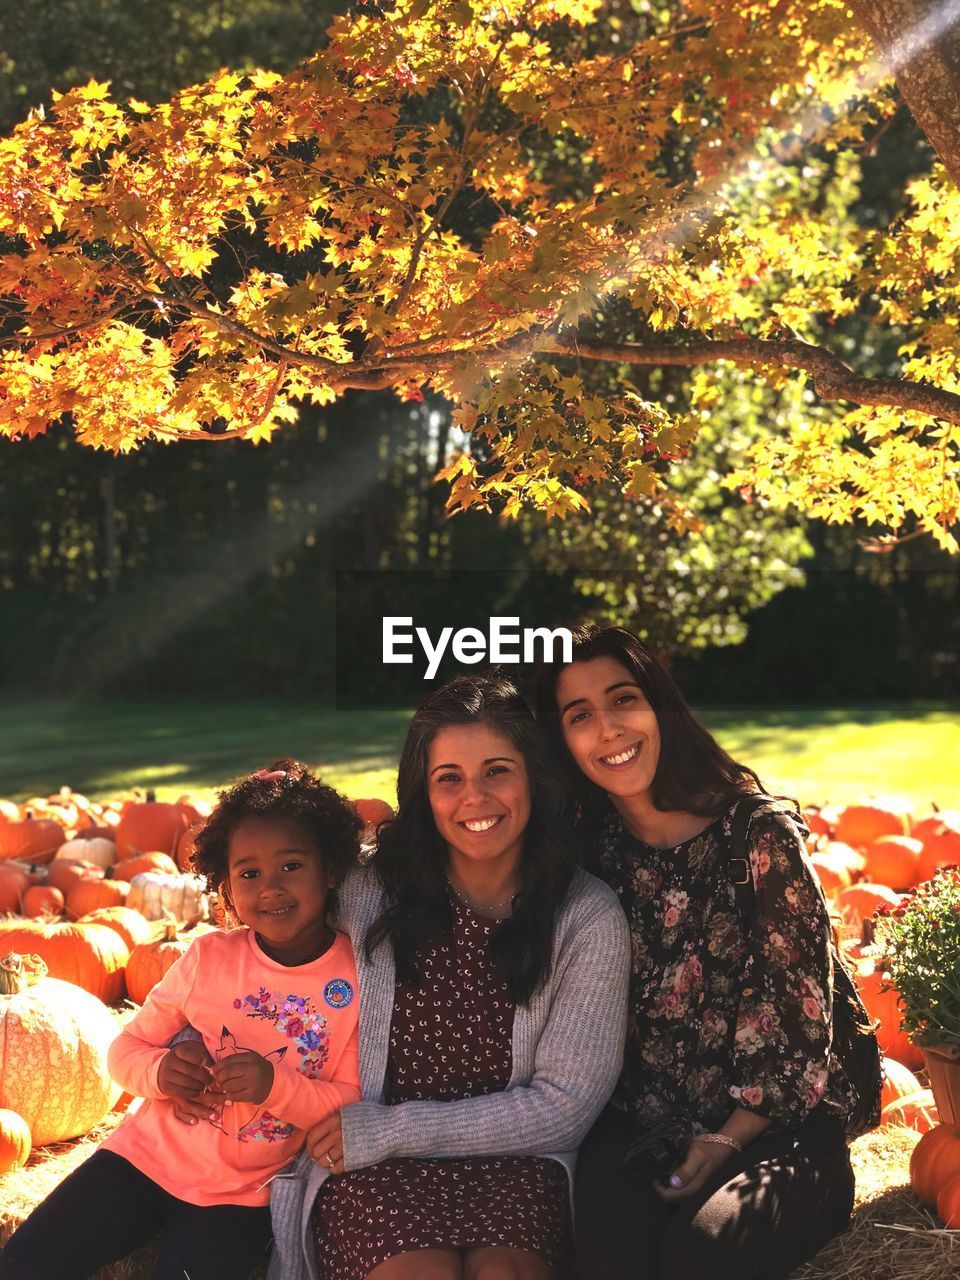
<point x="476" y="906"/>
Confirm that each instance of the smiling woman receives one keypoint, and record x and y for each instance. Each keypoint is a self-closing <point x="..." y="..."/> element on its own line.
<point x="723" y="1153"/>
<point x="488" y="1046"/>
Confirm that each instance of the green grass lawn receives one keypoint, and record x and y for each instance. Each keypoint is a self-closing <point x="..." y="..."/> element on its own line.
<point x="105" y="748"/>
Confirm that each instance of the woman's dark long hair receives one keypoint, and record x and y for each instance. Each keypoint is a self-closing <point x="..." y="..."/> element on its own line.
<point x="694" y="774"/>
<point x="411" y="858"/>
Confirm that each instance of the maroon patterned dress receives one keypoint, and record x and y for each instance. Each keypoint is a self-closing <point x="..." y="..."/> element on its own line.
<point x="523" y="1202"/>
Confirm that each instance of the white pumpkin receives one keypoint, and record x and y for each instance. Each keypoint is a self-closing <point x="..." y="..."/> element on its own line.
<point x="101" y="852"/>
<point x="163" y="897"/>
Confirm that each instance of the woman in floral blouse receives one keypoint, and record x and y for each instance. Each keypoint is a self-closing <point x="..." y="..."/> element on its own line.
<point x="729" y="1034"/>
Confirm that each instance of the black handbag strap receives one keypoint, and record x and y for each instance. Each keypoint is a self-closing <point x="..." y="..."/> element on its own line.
<point x="740" y="871"/>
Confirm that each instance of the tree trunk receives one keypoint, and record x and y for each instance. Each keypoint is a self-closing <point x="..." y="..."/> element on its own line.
<point x="920" y="41"/>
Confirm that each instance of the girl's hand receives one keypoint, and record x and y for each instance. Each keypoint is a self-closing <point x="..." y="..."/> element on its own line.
<point x="703" y="1160"/>
<point x="184" y="1070"/>
<point x="201" y="1106"/>
<point x="325" y="1143"/>
<point x="243" y="1077"/>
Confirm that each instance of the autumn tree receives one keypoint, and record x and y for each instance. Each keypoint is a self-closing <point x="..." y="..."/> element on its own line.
<point x="460" y="198"/>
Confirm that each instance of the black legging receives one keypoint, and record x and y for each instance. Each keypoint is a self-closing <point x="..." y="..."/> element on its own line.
<point x="767" y="1211"/>
<point x="106" y="1208"/>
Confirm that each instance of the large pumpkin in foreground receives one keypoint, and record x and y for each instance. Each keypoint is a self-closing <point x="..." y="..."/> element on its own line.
<point x="54" y="1040"/>
<point x="89" y="955"/>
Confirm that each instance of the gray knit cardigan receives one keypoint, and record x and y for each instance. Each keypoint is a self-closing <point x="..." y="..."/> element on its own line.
<point x="567" y="1055"/>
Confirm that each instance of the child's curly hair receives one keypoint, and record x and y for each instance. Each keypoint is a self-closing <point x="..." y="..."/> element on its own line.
<point x="284" y="789"/>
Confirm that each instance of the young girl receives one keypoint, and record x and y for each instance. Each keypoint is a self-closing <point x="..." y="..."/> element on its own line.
<point x="275" y="1003"/>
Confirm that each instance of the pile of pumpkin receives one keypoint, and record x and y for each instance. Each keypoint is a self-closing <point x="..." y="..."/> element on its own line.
<point x="867" y="857"/>
<point x="96" y="903"/>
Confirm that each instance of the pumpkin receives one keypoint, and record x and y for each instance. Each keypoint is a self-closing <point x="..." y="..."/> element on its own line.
<point x="935" y="1160"/>
<point x="187" y="846"/>
<point x="129" y="924"/>
<point x="15" y="1141"/>
<point x="32" y="840"/>
<point x="42" y="902"/>
<point x="914" y="1111"/>
<point x="64" y="873"/>
<point x="862" y="824"/>
<point x="845" y="855"/>
<point x="160" y="897"/>
<point x="862" y="901"/>
<point x="373" y="812"/>
<point x="948" y="1203"/>
<point x="141" y="862"/>
<point x="150" y="825"/>
<point x="150" y="961"/>
<point x="833" y="876"/>
<point x="883" y="1008"/>
<point x="815" y="822"/>
<point x="54" y="1040"/>
<point x="893" y="860"/>
<point x="90" y="956"/>
<point x="14" y="879"/>
<point x="898" y="1082"/>
<point x="89" y="895"/>
<point x="9" y="812"/>
<point x="98" y="850"/>
<point x="940" y="840"/>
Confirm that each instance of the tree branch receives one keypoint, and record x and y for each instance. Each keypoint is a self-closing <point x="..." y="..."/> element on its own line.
<point x="831" y="378"/>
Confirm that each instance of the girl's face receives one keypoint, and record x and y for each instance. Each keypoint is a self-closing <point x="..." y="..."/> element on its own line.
<point x="278" y="886"/>
<point x="608" y="726"/>
<point x="479" y="793"/>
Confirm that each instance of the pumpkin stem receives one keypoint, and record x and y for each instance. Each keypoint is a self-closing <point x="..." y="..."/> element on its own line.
<point x="19" y="972"/>
<point x="171" y="931"/>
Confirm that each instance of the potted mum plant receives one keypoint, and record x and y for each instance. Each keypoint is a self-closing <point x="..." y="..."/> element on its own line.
<point x="921" y="938"/>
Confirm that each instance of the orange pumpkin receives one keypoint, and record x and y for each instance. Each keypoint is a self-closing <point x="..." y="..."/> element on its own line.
<point x="64" y="873"/>
<point x="935" y="1160"/>
<point x="42" y="902"/>
<point x="88" y="955"/>
<point x="187" y="846"/>
<point x="898" y="1082"/>
<point x="883" y="1006"/>
<point x="862" y="901"/>
<point x="54" y="1040"/>
<point x="150" y="961"/>
<point x="150" y="825"/>
<point x="893" y="860"/>
<point x="915" y="1111"/>
<point x="833" y="876"/>
<point x="33" y="840"/>
<point x="14" y="879"/>
<point x="373" y="811"/>
<point x="15" y="1141"/>
<point x="846" y="856"/>
<point x="131" y="867"/>
<point x="948" y="1203"/>
<point x="817" y="824"/>
<point x="132" y="927"/>
<point x="88" y="895"/>
<point x="9" y="812"/>
<point x="940" y="838"/>
<point x="862" y="824"/>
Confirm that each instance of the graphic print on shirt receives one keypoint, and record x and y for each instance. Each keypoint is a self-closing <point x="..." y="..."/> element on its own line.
<point x="298" y="1018"/>
<point x="264" y="1126"/>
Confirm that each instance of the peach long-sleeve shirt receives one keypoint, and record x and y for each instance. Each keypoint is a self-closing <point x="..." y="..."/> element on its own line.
<point x="302" y="1018"/>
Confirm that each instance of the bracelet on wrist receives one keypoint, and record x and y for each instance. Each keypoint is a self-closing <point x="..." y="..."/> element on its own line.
<point x="720" y="1139"/>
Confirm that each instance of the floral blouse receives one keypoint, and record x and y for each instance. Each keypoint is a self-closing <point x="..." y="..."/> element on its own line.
<point x="725" y="1012"/>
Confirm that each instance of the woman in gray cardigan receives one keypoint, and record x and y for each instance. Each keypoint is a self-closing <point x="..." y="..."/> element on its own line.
<point x="492" y="984"/>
